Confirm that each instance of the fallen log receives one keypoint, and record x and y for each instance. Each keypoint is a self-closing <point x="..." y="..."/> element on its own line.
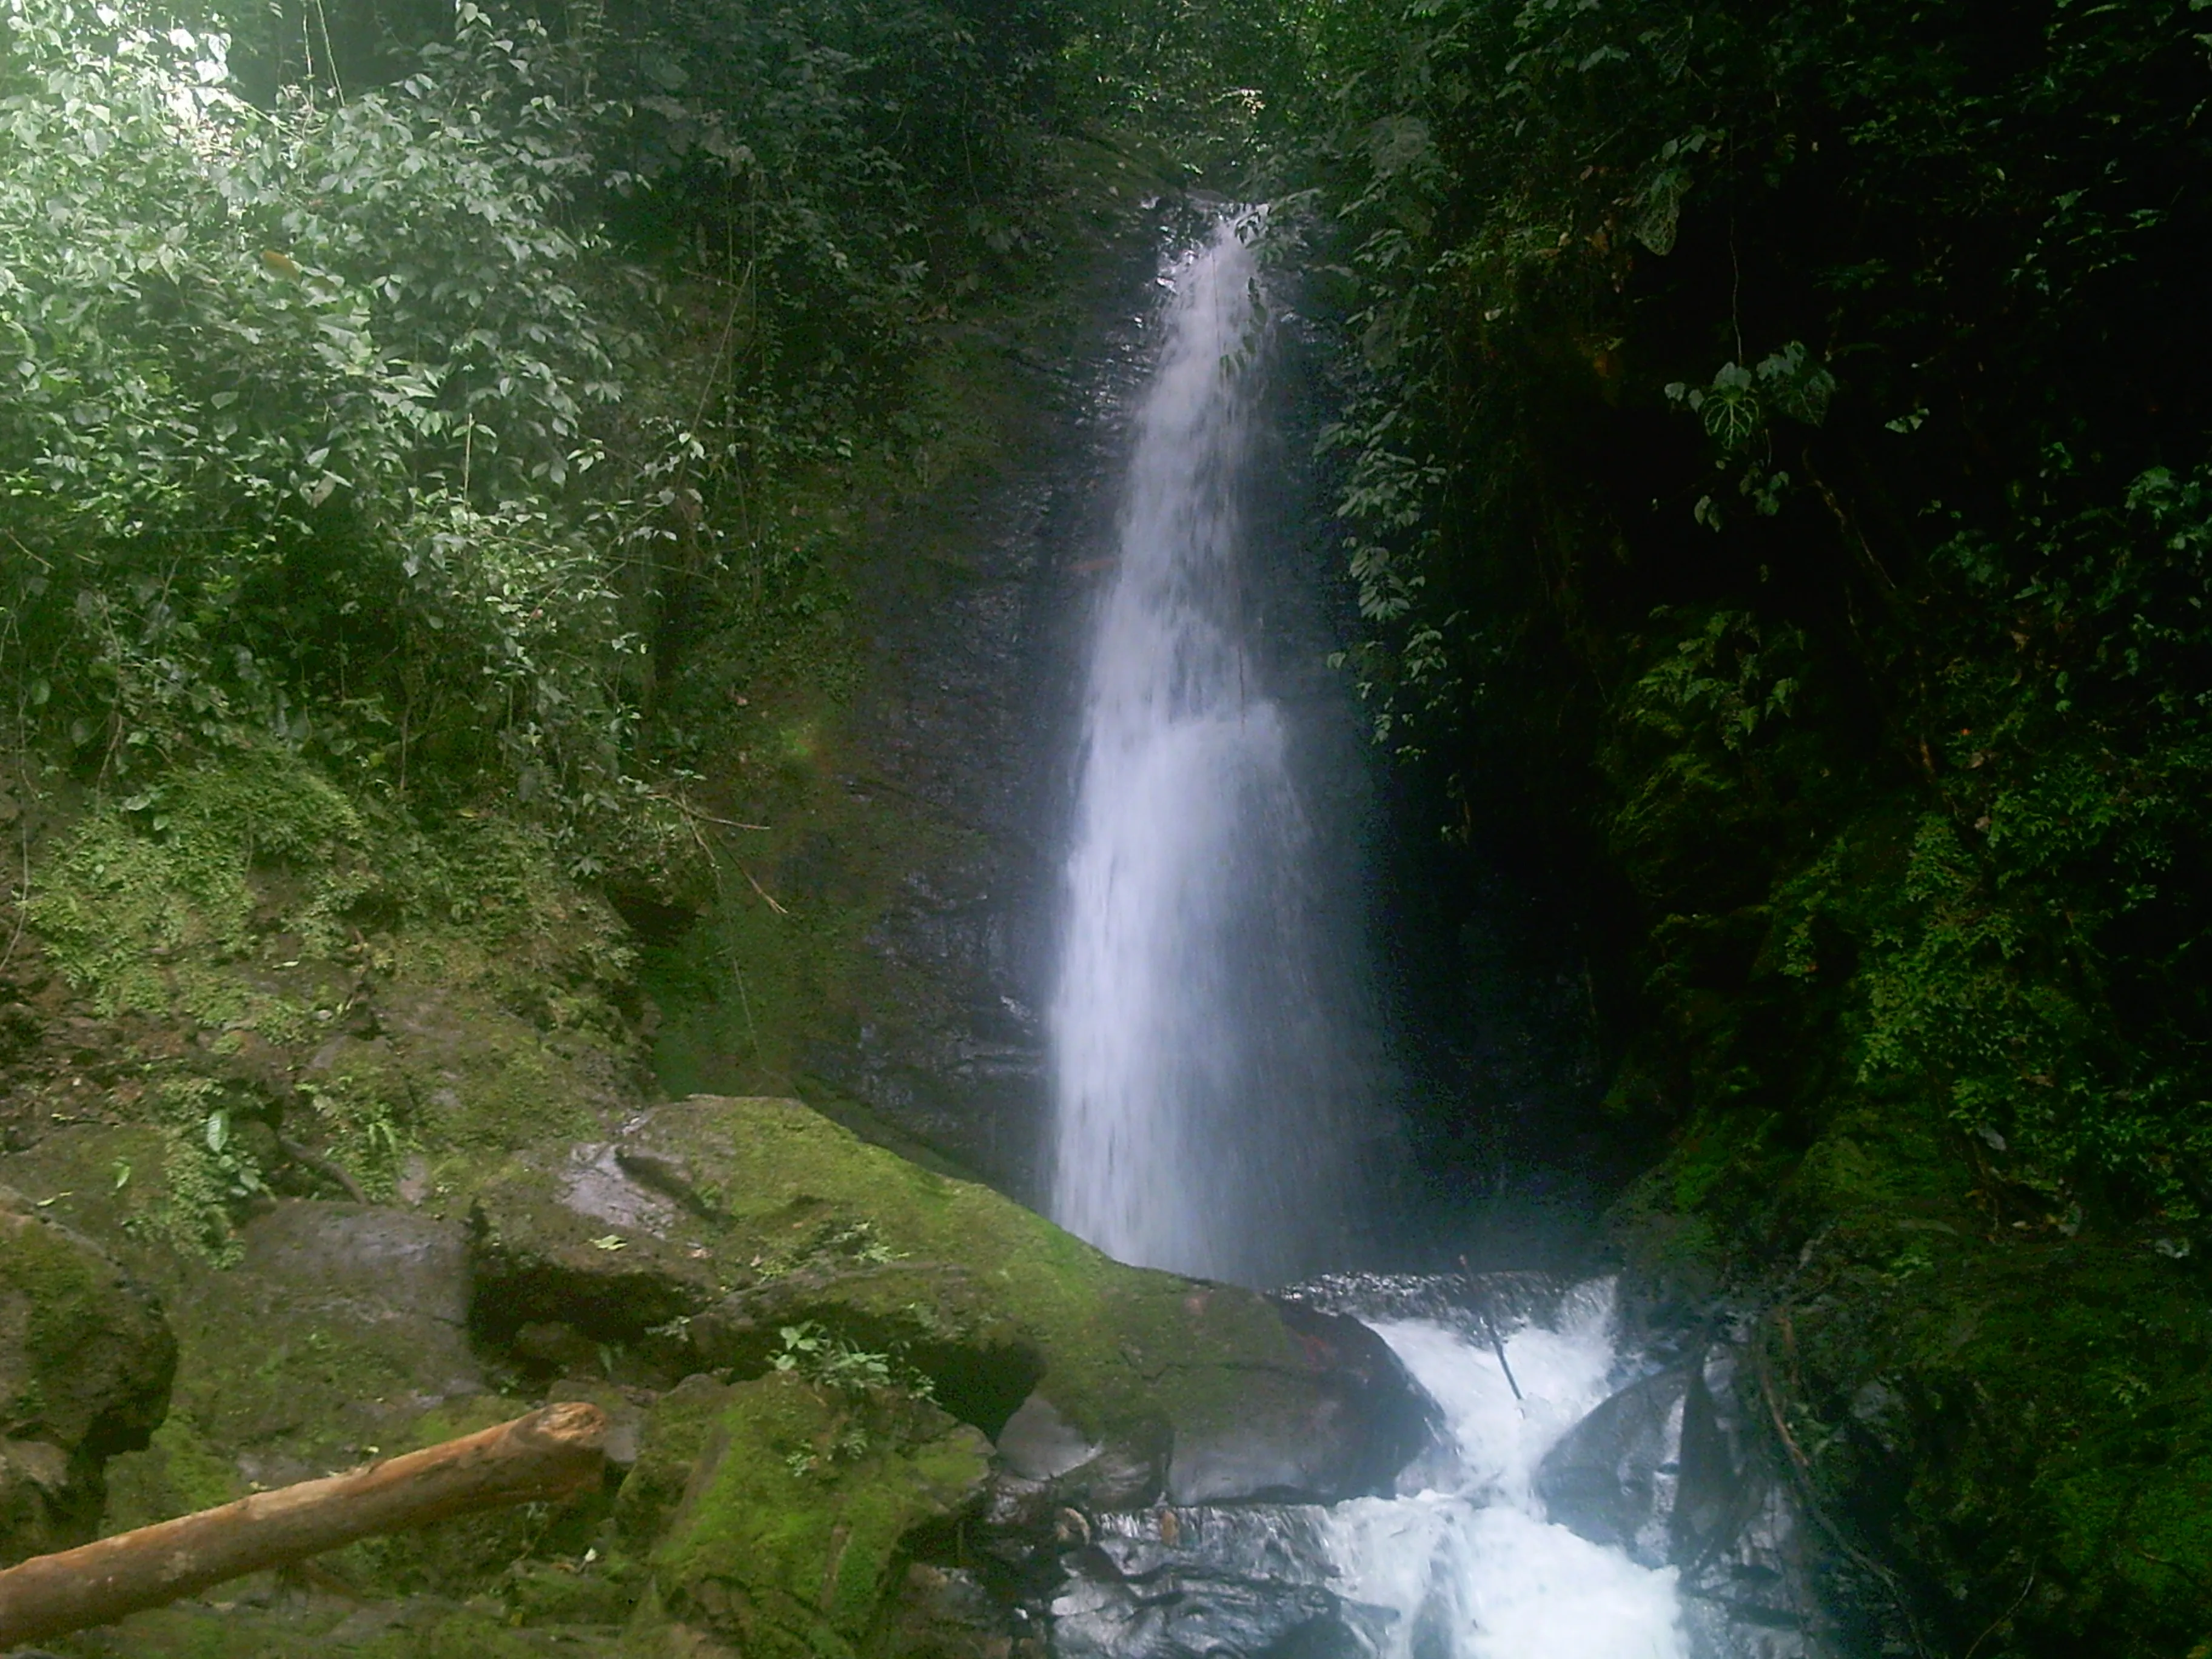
<point x="553" y="1453"/>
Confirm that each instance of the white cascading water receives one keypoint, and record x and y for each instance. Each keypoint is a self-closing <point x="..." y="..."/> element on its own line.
<point x="1472" y="1569"/>
<point x="1200" y="1078"/>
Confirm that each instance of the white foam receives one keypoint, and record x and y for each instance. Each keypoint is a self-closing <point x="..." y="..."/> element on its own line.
<point x="1477" y="1571"/>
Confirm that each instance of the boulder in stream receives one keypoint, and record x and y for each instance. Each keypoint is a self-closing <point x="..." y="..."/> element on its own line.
<point x="1666" y="1471"/>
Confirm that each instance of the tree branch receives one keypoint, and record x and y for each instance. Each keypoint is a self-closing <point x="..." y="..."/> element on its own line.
<point x="553" y="1453"/>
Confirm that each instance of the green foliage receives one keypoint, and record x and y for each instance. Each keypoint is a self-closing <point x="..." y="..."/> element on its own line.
<point x="821" y="1356"/>
<point x="1765" y="405"/>
<point x="300" y="407"/>
<point x="206" y="1171"/>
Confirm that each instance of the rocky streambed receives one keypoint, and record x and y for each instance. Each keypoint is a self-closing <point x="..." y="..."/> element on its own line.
<point x="859" y="1408"/>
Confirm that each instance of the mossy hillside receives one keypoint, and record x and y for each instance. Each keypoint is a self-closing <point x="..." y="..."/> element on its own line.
<point x="786" y="1543"/>
<point x="269" y="956"/>
<point x="2017" y="1408"/>
<point x="134" y="1190"/>
<point x="780" y="1215"/>
<point x="196" y="896"/>
<point x="2029" y="1421"/>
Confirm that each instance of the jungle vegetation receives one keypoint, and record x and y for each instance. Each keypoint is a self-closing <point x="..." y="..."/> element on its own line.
<point x="1774" y="447"/>
<point x="1794" y="407"/>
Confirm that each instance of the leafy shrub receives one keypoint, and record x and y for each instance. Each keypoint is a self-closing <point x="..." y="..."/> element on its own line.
<point x="299" y="427"/>
<point x="1789" y="415"/>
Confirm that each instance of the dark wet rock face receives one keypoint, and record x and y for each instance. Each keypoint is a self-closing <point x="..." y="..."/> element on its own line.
<point x="86" y="1361"/>
<point x="1192" y="1583"/>
<point x="1668" y="1471"/>
<point x="979" y="603"/>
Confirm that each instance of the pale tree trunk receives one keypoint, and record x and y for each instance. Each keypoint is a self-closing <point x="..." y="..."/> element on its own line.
<point x="553" y="1453"/>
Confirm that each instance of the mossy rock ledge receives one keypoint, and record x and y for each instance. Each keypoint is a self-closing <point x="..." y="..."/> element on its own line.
<point x="1012" y="1380"/>
<point x="862" y="1410"/>
<point x="710" y="1226"/>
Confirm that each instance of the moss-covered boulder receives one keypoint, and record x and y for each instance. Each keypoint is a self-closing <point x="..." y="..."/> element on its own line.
<point x="2027" y="1423"/>
<point x="85" y="1365"/>
<point x="325" y="1333"/>
<point x="2014" y="1418"/>
<point x="792" y="1535"/>
<point x="340" y="1326"/>
<point x="712" y="1229"/>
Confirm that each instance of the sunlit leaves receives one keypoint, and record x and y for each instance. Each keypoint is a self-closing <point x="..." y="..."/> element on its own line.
<point x="259" y="358"/>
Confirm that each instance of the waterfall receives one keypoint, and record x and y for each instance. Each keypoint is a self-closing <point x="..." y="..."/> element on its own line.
<point x="1200" y="1057"/>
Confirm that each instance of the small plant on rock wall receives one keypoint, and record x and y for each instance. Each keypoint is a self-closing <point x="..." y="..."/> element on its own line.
<point x="811" y="1350"/>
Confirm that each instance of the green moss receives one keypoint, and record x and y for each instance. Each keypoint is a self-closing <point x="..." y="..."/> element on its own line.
<point x="679" y="1434"/>
<point x="223" y="1629"/>
<point x="85" y="1367"/>
<point x="178" y="1473"/>
<point x="242" y="893"/>
<point x="151" y="895"/>
<point x="787" y="1539"/>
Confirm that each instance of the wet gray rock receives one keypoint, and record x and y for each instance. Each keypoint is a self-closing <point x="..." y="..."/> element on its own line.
<point x="707" y="1228"/>
<point x="586" y="1238"/>
<point x="1039" y="1444"/>
<point x="1672" y="1470"/>
<point x="1614" y="1477"/>
<point x="364" y="1264"/>
<point x="1190" y="1583"/>
<point x="356" y="1323"/>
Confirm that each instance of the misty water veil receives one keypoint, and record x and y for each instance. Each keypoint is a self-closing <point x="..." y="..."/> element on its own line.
<point x="1209" y="1098"/>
